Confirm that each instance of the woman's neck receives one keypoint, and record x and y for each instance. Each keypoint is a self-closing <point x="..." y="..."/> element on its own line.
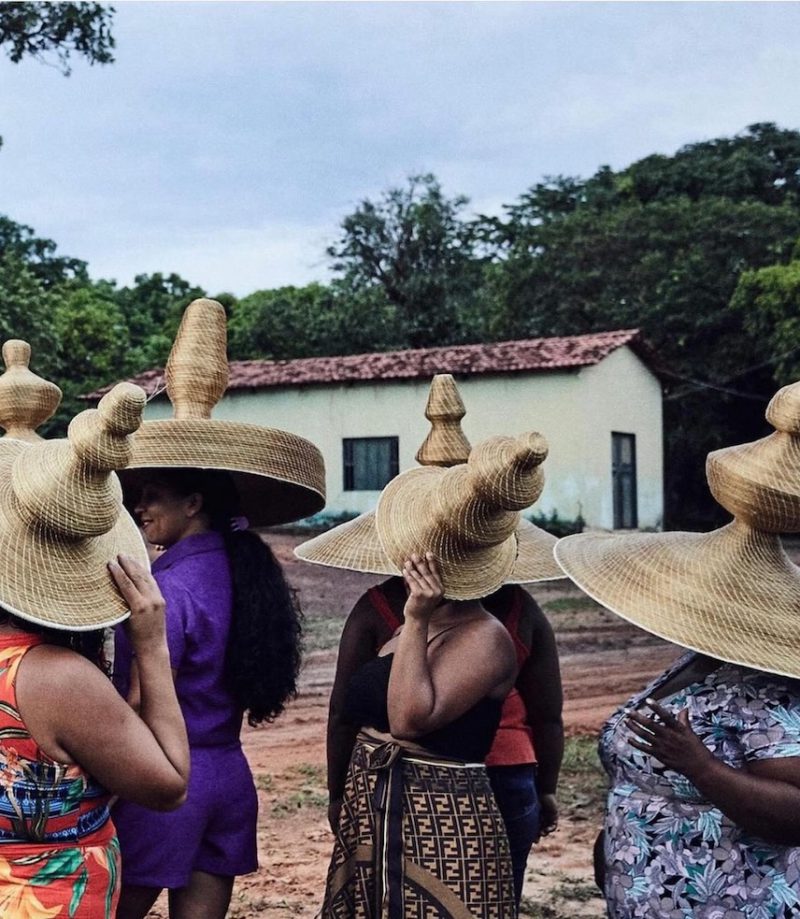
<point x="452" y="612"/>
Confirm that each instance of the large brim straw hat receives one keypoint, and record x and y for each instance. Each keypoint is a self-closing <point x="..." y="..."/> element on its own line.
<point x="62" y="520"/>
<point x="279" y="476"/>
<point x="466" y="515"/>
<point x="26" y="400"/>
<point x="732" y="593"/>
<point x="356" y="546"/>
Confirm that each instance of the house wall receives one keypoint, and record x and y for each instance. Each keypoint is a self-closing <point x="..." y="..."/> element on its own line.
<point x="575" y="410"/>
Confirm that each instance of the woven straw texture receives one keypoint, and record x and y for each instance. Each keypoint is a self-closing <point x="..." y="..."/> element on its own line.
<point x="356" y="546"/>
<point x="62" y="521"/>
<point x="732" y="593"/>
<point x="445" y="444"/>
<point x="280" y="477"/>
<point x="466" y="515"/>
<point x="26" y="400"/>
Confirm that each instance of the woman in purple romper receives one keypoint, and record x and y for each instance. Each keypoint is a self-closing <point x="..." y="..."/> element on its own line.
<point x="233" y="636"/>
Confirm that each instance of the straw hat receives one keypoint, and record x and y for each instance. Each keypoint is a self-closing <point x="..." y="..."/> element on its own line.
<point x="732" y="593"/>
<point x="26" y="400"/>
<point x="355" y="545"/>
<point x="62" y="521"/>
<point x="279" y="476"/>
<point x="466" y="515"/>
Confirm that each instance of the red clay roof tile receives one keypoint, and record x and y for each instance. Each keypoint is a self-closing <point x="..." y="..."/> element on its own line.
<point x="531" y="355"/>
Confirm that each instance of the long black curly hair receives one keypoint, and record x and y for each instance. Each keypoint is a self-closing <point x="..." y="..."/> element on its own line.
<point x="262" y="659"/>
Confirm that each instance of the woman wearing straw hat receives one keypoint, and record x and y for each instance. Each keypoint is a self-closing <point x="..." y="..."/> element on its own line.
<point x="703" y="815"/>
<point x="523" y="777"/>
<point x="72" y="563"/>
<point x="419" y="832"/>
<point x="232" y="625"/>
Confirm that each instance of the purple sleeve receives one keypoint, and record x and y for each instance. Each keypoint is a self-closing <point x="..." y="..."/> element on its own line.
<point x="179" y="618"/>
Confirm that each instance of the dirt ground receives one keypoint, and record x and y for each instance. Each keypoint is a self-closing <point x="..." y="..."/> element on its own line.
<point x="603" y="661"/>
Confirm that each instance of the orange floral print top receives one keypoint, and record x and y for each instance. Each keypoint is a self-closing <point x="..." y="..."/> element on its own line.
<point x="59" y="855"/>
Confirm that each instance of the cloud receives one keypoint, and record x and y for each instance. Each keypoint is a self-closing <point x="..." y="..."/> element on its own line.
<point x="221" y="258"/>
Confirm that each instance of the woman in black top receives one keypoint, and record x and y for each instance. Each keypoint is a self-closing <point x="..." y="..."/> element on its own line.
<point x="419" y="830"/>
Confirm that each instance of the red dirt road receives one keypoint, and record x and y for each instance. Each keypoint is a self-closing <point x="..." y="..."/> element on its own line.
<point x="603" y="661"/>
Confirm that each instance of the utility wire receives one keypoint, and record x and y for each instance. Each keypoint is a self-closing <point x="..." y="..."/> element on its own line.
<point x="721" y="387"/>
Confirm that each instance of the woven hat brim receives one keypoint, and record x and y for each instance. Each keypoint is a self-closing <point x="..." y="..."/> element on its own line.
<point x="534" y="561"/>
<point x="732" y="594"/>
<point x="280" y="477"/>
<point x="409" y="522"/>
<point x="56" y="581"/>
<point x="355" y="546"/>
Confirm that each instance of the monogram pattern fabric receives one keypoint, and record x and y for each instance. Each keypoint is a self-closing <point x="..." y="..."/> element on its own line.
<point x="418" y="839"/>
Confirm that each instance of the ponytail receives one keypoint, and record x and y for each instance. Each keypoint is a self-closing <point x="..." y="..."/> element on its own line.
<point x="263" y="652"/>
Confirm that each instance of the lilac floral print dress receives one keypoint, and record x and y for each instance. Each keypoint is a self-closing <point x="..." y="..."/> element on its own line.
<point x="669" y="853"/>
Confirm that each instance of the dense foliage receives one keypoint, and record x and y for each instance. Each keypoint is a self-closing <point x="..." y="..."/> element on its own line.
<point x="699" y="250"/>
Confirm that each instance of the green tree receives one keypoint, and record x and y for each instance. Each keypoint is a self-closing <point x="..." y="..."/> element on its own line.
<point x="414" y="247"/>
<point x="152" y="308"/>
<point x="768" y="301"/>
<point x="39" y="255"/>
<point x="26" y="311"/>
<point x="661" y="246"/>
<point x="56" y="31"/>
<point x="314" y="320"/>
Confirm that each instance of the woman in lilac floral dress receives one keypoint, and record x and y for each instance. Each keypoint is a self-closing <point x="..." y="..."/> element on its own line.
<point x="702" y="837"/>
<point x="703" y="817"/>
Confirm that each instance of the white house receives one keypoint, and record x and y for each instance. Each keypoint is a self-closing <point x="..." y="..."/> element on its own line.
<point x="595" y="398"/>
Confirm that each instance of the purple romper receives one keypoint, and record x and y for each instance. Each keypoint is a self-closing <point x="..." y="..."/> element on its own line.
<point x="215" y="830"/>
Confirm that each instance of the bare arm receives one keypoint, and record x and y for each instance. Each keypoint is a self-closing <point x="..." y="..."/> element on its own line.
<point x="428" y="690"/>
<point x="762" y="799"/>
<point x="75" y="714"/>
<point x="539" y="685"/>
<point x="363" y="635"/>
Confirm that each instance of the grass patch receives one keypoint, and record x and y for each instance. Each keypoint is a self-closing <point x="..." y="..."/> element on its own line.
<point x="563" y="901"/>
<point x="304" y="799"/>
<point x="321" y="633"/>
<point x="582" y="784"/>
<point x="311" y="795"/>
<point x="312" y="772"/>
<point x="264" y="781"/>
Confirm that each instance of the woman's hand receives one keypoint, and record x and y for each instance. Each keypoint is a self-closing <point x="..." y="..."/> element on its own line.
<point x="548" y="819"/>
<point x="424" y="584"/>
<point x="669" y="739"/>
<point x="140" y="591"/>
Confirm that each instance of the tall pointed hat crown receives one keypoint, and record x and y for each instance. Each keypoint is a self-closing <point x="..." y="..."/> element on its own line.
<point x="732" y="593"/>
<point x="26" y="400"/>
<point x="279" y="476"/>
<point x="356" y="545"/>
<point x="62" y="520"/>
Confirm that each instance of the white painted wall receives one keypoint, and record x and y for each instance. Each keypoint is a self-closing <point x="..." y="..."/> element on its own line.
<point x="575" y="410"/>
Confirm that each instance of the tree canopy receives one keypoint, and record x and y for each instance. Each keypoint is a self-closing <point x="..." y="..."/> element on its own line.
<point x="51" y="32"/>
<point x="700" y="250"/>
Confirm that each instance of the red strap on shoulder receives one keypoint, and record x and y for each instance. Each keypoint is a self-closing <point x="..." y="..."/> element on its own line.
<point x="512" y="624"/>
<point x="382" y="605"/>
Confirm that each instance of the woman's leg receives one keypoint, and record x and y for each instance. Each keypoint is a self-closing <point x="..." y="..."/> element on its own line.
<point x="135" y="901"/>
<point x="207" y="896"/>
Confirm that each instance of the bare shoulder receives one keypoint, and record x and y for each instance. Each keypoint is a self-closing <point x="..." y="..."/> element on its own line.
<point x="62" y="662"/>
<point x="490" y="636"/>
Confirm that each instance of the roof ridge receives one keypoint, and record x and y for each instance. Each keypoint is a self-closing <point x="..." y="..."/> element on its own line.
<point x="514" y="355"/>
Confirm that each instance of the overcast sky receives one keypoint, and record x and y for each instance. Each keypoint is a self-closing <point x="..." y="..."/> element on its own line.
<point x="229" y="139"/>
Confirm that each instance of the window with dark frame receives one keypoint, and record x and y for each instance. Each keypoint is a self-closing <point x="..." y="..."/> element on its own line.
<point x="623" y="480"/>
<point x="369" y="462"/>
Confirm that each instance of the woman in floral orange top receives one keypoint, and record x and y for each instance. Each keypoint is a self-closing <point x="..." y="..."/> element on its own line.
<point x="72" y="562"/>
